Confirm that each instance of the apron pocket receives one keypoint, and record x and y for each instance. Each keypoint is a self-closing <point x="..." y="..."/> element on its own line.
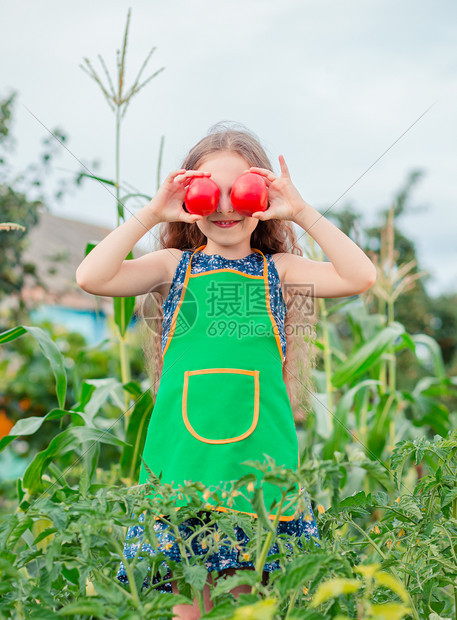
<point x="221" y="405"/>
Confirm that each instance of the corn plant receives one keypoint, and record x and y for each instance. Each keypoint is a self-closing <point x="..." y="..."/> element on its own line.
<point x="359" y="400"/>
<point x="118" y="100"/>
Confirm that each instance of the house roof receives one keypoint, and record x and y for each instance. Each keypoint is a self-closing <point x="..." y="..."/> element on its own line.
<point x="57" y="246"/>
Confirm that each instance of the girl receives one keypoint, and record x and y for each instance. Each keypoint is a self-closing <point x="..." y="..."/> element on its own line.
<point x="226" y="397"/>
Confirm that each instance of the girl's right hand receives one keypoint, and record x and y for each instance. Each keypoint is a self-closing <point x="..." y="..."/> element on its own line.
<point x="167" y="204"/>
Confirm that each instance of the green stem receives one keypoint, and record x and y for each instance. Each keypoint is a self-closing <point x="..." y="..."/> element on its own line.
<point x="182" y="549"/>
<point x="266" y="546"/>
<point x="129" y="571"/>
<point x="125" y="376"/>
<point x="372" y="542"/>
<point x="401" y="514"/>
<point x="125" y="367"/>
<point x="291" y="605"/>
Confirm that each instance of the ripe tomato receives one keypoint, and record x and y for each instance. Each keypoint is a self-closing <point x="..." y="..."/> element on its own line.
<point x="202" y="196"/>
<point x="249" y="194"/>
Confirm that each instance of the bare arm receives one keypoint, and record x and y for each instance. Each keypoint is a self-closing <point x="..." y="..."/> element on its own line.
<point x="104" y="271"/>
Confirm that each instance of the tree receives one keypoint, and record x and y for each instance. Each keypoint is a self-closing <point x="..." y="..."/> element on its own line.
<point x="20" y="213"/>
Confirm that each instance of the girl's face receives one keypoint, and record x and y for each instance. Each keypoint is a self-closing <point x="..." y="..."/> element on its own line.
<point x="225" y="168"/>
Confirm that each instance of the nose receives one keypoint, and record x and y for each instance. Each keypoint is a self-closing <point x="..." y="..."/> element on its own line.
<point x="225" y="204"/>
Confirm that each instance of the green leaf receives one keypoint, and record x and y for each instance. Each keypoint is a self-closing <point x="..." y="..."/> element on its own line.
<point x="299" y="571"/>
<point x="195" y="575"/>
<point x="389" y="611"/>
<point x="333" y="588"/>
<point x="263" y="610"/>
<point x="140" y="570"/>
<point x="123" y="311"/>
<point x="24" y="524"/>
<point x="62" y="443"/>
<point x="44" y="534"/>
<point x="89" y="606"/>
<point x="95" y="393"/>
<point x="50" y="350"/>
<point x="89" y="247"/>
<point x="241" y="577"/>
<point x="28" y="426"/>
<point x="101" y="179"/>
<point x="258" y="504"/>
<point x="358" y="499"/>
<point x="91" y="454"/>
<point x="136" y="436"/>
<point x="449" y="497"/>
<point x="224" y="611"/>
<point x="367" y="355"/>
<point x="389" y="581"/>
<point x="386" y="410"/>
<point x="340" y="433"/>
<point x="436" y="354"/>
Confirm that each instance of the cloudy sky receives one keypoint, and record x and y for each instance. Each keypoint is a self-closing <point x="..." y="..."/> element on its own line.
<point x="330" y="85"/>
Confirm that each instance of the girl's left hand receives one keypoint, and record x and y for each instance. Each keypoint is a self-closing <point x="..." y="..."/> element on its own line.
<point x="284" y="198"/>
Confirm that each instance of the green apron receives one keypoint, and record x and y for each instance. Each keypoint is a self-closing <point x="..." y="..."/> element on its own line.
<point x="222" y="398"/>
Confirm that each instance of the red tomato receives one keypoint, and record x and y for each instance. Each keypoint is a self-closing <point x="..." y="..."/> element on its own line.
<point x="202" y="196"/>
<point x="249" y="194"/>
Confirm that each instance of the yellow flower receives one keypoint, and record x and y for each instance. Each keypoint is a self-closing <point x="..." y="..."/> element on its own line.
<point x="320" y="508"/>
<point x="224" y="494"/>
<point x="377" y="530"/>
<point x="250" y="487"/>
<point x="204" y="545"/>
<point x="234" y="493"/>
<point x="305" y="590"/>
<point x="388" y="543"/>
<point x="397" y="500"/>
<point x="206" y="494"/>
<point x="401" y="533"/>
<point x="308" y="517"/>
<point x="168" y="545"/>
<point x="245" y="557"/>
<point x="216" y="537"/>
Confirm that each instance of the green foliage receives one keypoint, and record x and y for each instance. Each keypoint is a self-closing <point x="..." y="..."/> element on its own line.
<point x="61" y="548"/>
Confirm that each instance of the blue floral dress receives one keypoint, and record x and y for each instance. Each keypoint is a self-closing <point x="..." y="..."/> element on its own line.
<point x="226" y="557"/>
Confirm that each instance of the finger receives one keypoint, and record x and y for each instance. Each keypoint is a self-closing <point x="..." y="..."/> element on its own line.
<point x="175" y="173"/>
<point x="260" y="215"/>
<point x="268" y="174"/>
<point x="190" y="174"/>
<point x="197" y="173"/>
<point x="188" y="180"/>
<point x="284" y="168"/>
<point x="190" y="219"/>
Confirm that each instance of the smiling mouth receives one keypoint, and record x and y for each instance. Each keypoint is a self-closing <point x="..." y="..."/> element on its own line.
<point x="225" y="223"/>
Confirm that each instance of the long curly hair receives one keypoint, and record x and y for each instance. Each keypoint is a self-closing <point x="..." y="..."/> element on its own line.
<point x="270" y="236"/>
